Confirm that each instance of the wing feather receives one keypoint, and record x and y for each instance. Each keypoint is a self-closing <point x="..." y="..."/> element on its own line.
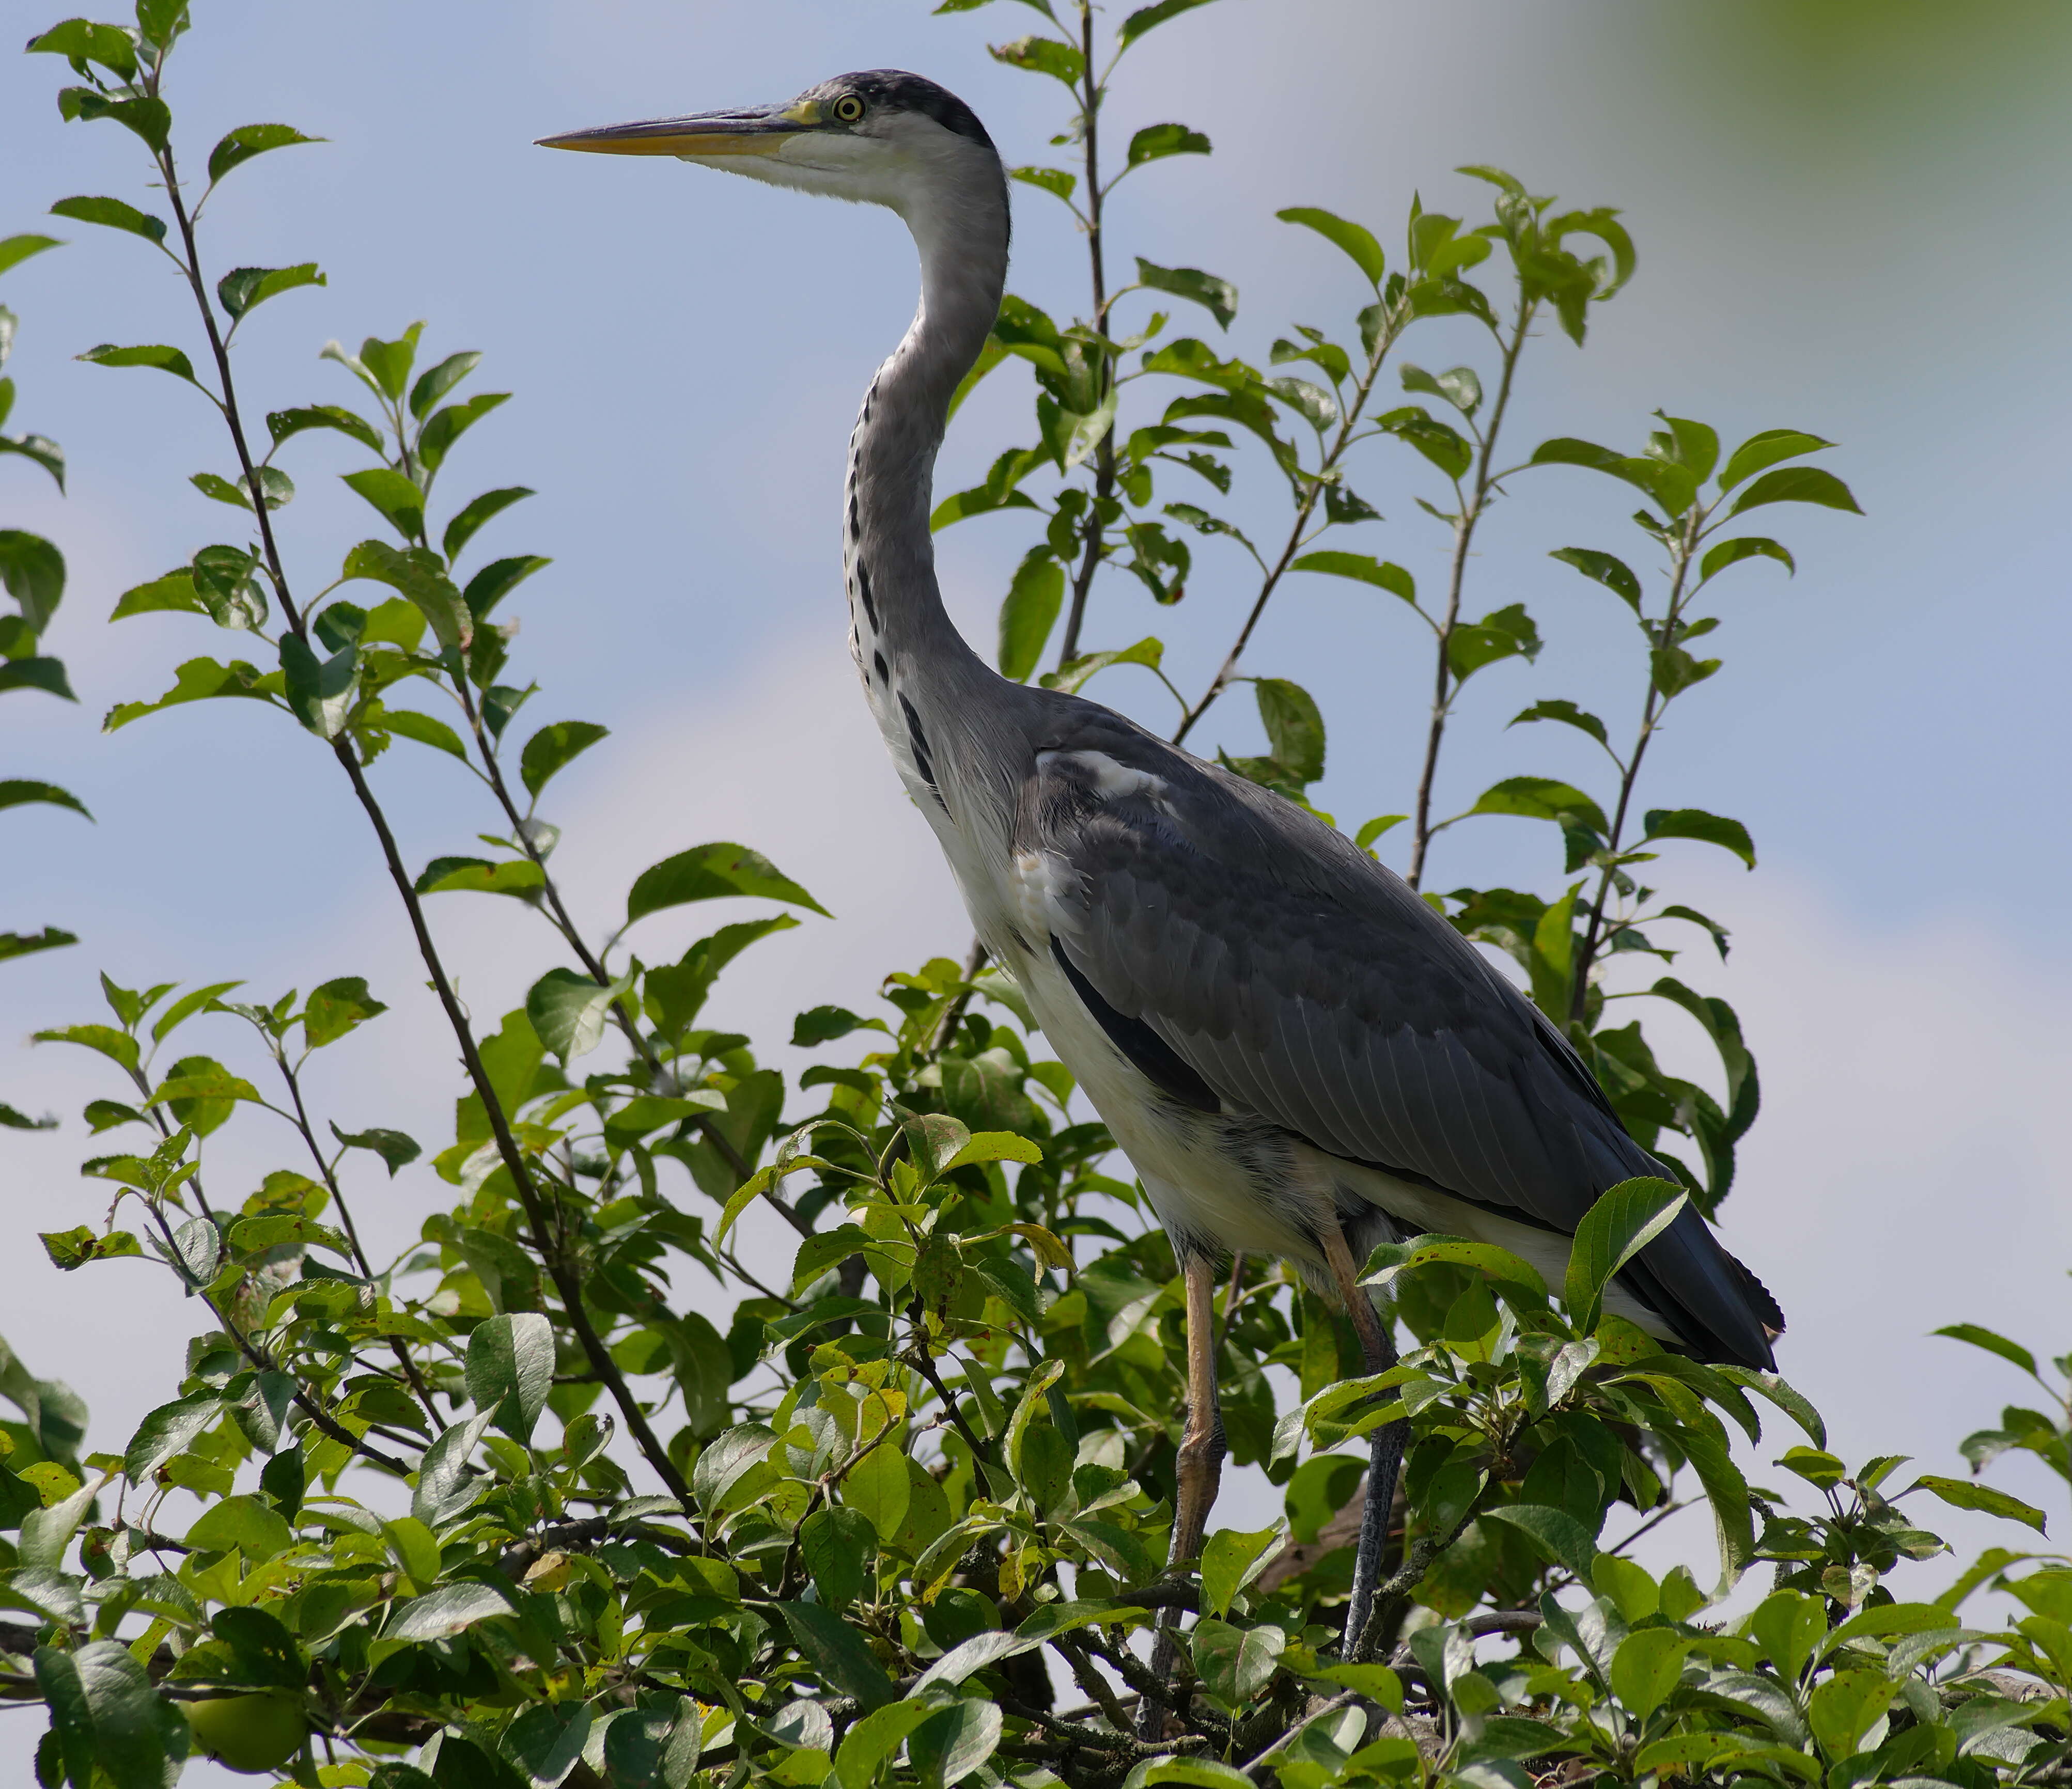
<point x="1307" y="986"/>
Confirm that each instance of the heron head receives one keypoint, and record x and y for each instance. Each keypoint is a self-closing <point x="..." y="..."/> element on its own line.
<point x="880" y="136"/>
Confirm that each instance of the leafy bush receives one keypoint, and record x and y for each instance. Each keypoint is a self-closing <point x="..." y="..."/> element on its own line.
<point x="906" y="1516"/>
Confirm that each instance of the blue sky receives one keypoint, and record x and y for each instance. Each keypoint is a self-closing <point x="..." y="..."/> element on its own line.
<point x="1851" y="220"/>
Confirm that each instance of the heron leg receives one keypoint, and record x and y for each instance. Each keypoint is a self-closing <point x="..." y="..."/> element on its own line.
<point x="1200" y="1466"/>
<point x="1385" y="1456"/>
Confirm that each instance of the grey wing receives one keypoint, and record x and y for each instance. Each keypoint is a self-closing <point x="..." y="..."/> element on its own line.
<point x="1302" y="982"/>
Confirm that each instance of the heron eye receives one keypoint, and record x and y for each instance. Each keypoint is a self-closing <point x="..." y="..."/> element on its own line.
<point x="849" y="109"/>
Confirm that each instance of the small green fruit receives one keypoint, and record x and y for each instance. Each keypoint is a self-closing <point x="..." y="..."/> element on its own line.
<point x="250" y="1733"/>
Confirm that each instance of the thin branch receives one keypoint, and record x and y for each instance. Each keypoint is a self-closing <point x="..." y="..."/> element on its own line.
<point x="566" y="1281"/>
<point x="1092" y="92"/>
<point x="1471" y="513"/>
<point x="1298" y="534"/>
<point x="300" y="1121"/>
<point x="1650" y="718"/>
<point x="228" y="402"/>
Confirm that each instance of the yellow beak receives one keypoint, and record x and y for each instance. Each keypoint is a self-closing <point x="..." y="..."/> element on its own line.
<point x="759" y="130"/>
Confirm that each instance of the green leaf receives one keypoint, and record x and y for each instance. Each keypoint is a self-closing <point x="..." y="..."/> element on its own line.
<point x="1963" y="1494"/>
<point x="1541" y="799"/>
<point x="113" y="213"/>
<point x="1372" y="830"/>
<point x="385" y="366"/>
<point x="1691" y="822"/>
<point x="434" y="384"/>
<point x="1228" y="1558"/>
<point x="160" y="21"/>
<point x="109" y="45"/>
<point x="1042" y="55"/>
<point x="245" y="289"/>
<point x="214" y="485"/>
<point x="706" y="872"/>
<point x="568" y="1011"/>
<point x="394" y="1148"/>
<point x="450" y="1610"/>
<point x="1554" y="1533"/>
<point x="461" y="528"/>
<point x="1506" y="633"/>
<point x="14" y="250"/>
<point x="1442" y="444"/>
<point x="335" y="1008"/>
<point x="254" y="1528"/>
<point x="1646" y="1668"/>
<point x="1613" y="573"/>
<point x="993" y="1146"/>
<point x="400" y="502"/>
<point x="1155" y="142"/>
<point x="836" y="1542"/>
<point x="1294" y="726"/>
<point x="1235" y="1663"/>
<point x="36" y="674"/>
<point x="408" y="724"/>
<point x="510" y="1370"/>
<point x="165" y="360"/>
<point x="254" y="1236"/>
<point x="1672" y="486"/>
<point x="995" y="350"/>
<point x="1843" y="1708"/>
<point x="519" y="876"/>
<point x="871" y="1743"/>
<point x="1457" y="386"/>
<point x="419" y="576"/>
<point x="1356" y="239"/>
<point x="108" y="1722"/>
<point x="197" y="680"/>
<point x="119" y="1047"/>
<point x="447" y="426"/>
<point x="1797" y="484"/>
<point x="1794" y="1404"/>
<point x="1072" y="677"/>
<point x="1387" y="1260"/>
<point x="319" y="691"/>
<point x="248" y="140"/>
<point x="497" y="579"/>
<point x="32" y="571"/>
<point x="1561" y="709"/>
<point x="1624" y="1220"/>
<point x="836" y="1653"/>
<point x="1028" y="613"/>
<point x="200" y="1091"/>
<point x="1767" y="448"/>
<point x="16" y="792"/>
<point x="1724" y="553"/>
<point x="675" y="993"/>
<point x="282" y="424"/>
<point x="166" y="1431"/>
<point x="227" y="588"/>
<point x="878" y="1489"/>
<point x="26" y="944"/>
<point x="76" y="1247"/>
<point x="553" y="747"/>
<point x="1217" y="295"/>
<point x="1992" y="1344"/>
<point x="954" y="1741"/>
<point x="1674" y="671"/>
<point x="1147" y="19"/>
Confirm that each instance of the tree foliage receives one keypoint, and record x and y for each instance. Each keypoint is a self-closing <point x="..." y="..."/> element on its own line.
<point x="512" y="1510"/>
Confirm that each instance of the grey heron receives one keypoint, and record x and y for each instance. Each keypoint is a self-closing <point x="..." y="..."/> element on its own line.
<point x="1299" y="1057"/>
